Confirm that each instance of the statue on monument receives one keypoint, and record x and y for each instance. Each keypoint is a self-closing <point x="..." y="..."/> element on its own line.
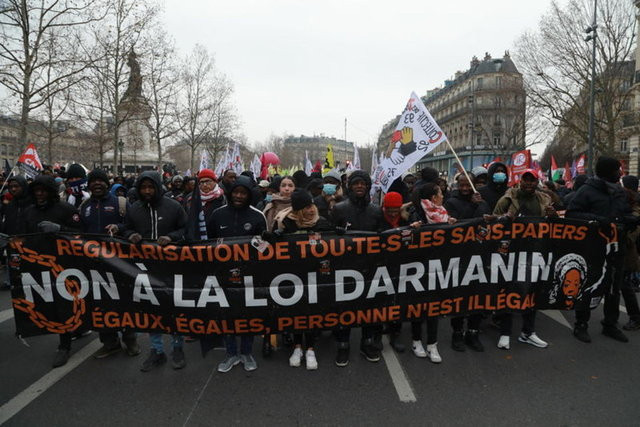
<point x="134" y="89"/>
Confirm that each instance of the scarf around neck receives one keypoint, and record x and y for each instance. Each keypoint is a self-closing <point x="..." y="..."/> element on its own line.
<point x="433" y="212"/>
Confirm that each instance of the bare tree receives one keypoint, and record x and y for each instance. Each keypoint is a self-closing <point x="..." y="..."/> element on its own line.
<point x="29" y="70"/>
<point x="162" y="86"/>
<point x="556" y="63"/>
<point x="205" y="114"/>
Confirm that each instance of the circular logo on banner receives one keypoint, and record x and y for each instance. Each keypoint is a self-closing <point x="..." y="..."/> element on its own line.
<point x="520" y="159"/>
<point x="247" y="226"/>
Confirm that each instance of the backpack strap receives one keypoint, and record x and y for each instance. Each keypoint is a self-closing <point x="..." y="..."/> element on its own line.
<point x="122" y="206"/>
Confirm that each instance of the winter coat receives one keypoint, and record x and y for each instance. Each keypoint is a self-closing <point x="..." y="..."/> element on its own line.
<point x="54" y="210"/>
<point x="509" y="203"/>
<point x="492" y="192"/>
<point x="461" y="207"/>
<point x="273" y="208"/>
<point x="598" y="200"/>
<point x="357" y="215"/>
<point x="96" y="214"/>
<point x="160" y="217"/>
<point x="229" y="221"/>
<point x="13" y="219"/>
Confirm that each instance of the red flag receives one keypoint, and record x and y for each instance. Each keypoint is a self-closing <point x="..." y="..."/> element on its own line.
<point x="520" y="161"/>
<point x="567" y="173"/>
<point x="29" y="162"/>
<point x="554" y="165"/>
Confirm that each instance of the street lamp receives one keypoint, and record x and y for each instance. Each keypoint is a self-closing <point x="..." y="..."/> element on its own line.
<point x="592" y="35"/>
<point x="120" y="148"/>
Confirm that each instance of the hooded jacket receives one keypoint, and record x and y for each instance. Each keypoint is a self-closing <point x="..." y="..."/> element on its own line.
<point x="599" y="200"/>
<point x="461" y="207"/>
<point x="96" y="213"/>
<point x="492" y="192"/>
<point x="161" y="216"/>
<point x="229" y="221"/>
<point x="357" y="214"/>
<point x="13" y="220"/>
<point x="54" y="210"/>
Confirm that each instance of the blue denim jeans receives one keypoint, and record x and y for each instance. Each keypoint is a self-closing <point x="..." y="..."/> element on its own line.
<point x="246" y="343"/>
<point x="156" y="342"/>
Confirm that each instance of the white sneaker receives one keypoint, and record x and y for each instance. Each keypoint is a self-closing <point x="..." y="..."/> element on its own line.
<point x="532" y="339"/>
<point x="504" y="342"/>
<point x="418" y="349"/>
<point x="296" y="357"/>
<point x="312" y="363"/>
<point x="432" y="351"/>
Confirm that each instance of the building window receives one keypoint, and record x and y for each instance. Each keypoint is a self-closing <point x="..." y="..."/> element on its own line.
<point x="498" y="81"/>
<point x="496" y="139"/>
<point x="479" y="83"/>
<point x="623" y="145"/>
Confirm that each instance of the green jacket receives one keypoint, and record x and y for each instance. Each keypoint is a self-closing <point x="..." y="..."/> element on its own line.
<point x="509" y="202"/>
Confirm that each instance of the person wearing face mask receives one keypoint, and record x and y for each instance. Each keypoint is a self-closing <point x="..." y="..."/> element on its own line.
<point x="497" y="180"/>
<point x="602" y="199"/>
<point x="331" y="193"/>
<point x="279" y="201"/>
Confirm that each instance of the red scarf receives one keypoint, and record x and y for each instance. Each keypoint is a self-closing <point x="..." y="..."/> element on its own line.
<point x="433" y="212"/>
<point x="395" y="222"/>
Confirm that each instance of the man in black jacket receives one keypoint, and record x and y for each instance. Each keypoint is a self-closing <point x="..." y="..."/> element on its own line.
<point x="49" y="214"/>
<point x="162" y="219"/>
<point x="464" y="204"/>
<point x="602" y="199"/>
<point x="497" y="184"/>
<point x="13" y="221"/>
<point x="357" y="213"/>
<point x="237" y="218"/>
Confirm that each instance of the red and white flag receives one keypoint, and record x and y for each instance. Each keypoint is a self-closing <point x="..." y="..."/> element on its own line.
<point x="29" y="162"/>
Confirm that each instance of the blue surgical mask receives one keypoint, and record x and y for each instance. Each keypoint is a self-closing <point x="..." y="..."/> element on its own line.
<point x="499" y="177"/>
<point x="268" y="197"/>
<point x="329" y="189"/>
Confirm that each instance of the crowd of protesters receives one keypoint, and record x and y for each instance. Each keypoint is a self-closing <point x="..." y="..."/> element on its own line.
<point x="156" y="208"/>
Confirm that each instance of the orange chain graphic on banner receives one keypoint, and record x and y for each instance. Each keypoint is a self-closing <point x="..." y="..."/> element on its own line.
<point x="73" y="287"/>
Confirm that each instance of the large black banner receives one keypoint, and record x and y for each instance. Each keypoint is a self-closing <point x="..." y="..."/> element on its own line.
<point x="62" y="282"/>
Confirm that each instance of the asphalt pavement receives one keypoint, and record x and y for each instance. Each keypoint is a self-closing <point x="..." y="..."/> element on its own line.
<point x="568" y="383"/>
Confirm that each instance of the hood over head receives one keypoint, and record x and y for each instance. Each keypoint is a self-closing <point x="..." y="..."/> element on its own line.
<point x="48" y="182"/>
<point x="243" y="181"/>
<point x="22" y="182"/>
<point x="155" y="178"/>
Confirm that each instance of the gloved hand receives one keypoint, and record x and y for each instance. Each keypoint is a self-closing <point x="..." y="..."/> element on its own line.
<point x="48" y="227"/>
<point x="268" y="236"/>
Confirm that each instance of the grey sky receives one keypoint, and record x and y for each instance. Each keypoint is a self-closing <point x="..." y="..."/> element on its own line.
<point x="301" y="67"/>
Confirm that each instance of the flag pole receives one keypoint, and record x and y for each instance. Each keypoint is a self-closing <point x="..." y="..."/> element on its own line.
<point x="463" y="168"/>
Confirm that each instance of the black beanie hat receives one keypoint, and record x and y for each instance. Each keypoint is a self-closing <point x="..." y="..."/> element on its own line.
<point x="631" y="182"/>
<point x="300" y="199"/>
<point x="98" y="174"/>
<point x="357" y="175"/>
<point x="605" y="166"/>
<point x="76" y="171"/>
<point x="429" y="174"/>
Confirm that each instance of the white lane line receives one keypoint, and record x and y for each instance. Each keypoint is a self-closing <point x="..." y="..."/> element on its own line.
<point x="29" y="394"/>
<point x="398" y="376"/>
<point x="558" y="317"/>
<point x="197" y="402"/>
<point x="6" y="315"/>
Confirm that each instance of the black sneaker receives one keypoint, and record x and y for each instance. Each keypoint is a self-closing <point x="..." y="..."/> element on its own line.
<point x="615" y="333"/>
<point x="370" y="352"/>
<point x="107" y="350"/>
<point x="457" y="341"/>
<point x="377" y="342"/>
<point x="632" y="325"/>
<point x="581" y="332"/>
<point x="61" y="358"/>
<point x="472" y="339"/>
<point x="177" y="358"/>
<point x="342" y="357"/>
<point x="154" y="359"/>
<point x="394" y="340"/>
<point x="132" y="347"/>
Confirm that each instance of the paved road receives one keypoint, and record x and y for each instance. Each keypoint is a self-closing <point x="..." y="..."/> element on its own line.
<point x="569" y="383"/>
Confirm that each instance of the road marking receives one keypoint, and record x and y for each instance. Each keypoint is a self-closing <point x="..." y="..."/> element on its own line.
<point x="558" y="317"/>
<point x="398" y="376"/>
<point x="6" y="315"/>
<point x="197" y="402"/>
<point x="29" y="394"/>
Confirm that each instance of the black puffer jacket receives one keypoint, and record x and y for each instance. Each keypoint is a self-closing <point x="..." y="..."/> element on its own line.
<point x="161" y="217"/>
<point x="599" y="200"/>
<point x="229" y="221"/>
<point x="492" y="192"/>
<point x="13" y="219"/>
<point x="54" y="210"/>
<point x="359" y="215"/>
<point x="461" y="207"/>
<point x="290" y="226"/>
